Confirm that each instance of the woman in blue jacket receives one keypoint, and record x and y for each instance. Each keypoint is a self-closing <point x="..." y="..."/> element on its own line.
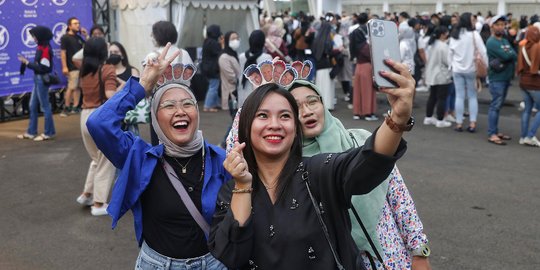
<point x="169" y="234"/>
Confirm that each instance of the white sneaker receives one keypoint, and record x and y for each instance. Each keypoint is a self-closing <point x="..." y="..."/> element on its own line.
<point x="522" y="141"/>
<point x="450" y="118"/>
<point x="350" y="106"/>
<point x="421" y="89"/>
<point x="442" y="124"/>
<point x="86" y="201"/>
<point x="521" y="106"/>
<point x="531" y="141"/>
<point x="26" y="136"/>
<point x="356" y="117"/>
<point x="42" y="137"/>
<point x="99" y="211"/>
<point x="371" y="118"/>
<point x="430" y="121"/>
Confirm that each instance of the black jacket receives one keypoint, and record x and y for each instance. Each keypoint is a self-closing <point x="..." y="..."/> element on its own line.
<point x="210" y="52"/>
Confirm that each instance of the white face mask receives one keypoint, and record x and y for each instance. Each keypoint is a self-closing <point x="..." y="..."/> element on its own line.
<point x="234" y="44"/>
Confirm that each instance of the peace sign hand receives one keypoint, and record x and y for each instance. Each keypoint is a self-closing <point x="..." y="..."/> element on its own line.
<point x="155" y="66"/>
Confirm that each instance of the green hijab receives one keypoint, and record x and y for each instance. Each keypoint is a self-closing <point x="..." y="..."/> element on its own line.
<point x="335" y="138"/>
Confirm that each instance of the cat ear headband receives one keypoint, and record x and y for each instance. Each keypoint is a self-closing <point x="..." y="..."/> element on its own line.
<point x="277" y="72"/>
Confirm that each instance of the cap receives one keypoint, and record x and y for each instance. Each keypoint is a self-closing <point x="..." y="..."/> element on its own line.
<point x="496" y="18"/>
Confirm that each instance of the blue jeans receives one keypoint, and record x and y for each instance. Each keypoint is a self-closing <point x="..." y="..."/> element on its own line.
<point x="151" y="259"/>
<point x="498" y="91"/>
<point x="451" y="98"/>
<point x="531" y="98"/>
<point x="464" y="83"/>
<point x="212" y="98"/>
<point x="40" y="97"/>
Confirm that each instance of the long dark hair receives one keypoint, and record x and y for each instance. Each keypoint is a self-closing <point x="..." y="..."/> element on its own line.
<point x="322" y="43"/>
<point x="95" y="54"/>
<point x="465" y="22"/>
<point x="437" y="33"/>
<point x="228" y="50"/>
<point x="256" y="46"/>
<point x="249" y="111"/>
<point x="125" y="61"/>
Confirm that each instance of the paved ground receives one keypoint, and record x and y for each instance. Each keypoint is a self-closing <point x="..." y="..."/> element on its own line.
<point x="479" y="202"/>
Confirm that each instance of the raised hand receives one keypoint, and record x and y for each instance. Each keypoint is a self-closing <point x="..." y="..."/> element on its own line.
<point x="155" y="66"/>
<point x="400" y="99"/>
<point x="237" y="166"/>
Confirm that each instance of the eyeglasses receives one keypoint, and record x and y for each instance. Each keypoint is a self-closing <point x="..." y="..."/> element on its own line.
<point x="171" y="106"/>
<point x="312" y="102"/>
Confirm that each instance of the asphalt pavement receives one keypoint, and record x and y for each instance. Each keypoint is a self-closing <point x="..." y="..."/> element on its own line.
<point x="478" y="202"/>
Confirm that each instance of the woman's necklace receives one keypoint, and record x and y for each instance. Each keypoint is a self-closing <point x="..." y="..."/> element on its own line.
<point x="269" y="187"/>
<point x="184" y="167"/>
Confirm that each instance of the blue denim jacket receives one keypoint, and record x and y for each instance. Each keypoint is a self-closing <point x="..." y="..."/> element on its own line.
<point x="137" y="159"/>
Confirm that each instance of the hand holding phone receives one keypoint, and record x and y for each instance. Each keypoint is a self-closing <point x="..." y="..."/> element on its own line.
<point x="384" y="44"/>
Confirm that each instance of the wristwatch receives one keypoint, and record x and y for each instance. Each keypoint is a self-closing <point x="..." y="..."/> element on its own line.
<point x="422" y="250"/>
<point x="398" y="128"/>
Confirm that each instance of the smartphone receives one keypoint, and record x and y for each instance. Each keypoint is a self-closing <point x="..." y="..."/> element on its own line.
<point x="384" y="44"/>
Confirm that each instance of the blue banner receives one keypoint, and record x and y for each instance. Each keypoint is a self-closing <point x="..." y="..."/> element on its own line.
<point x="17" y="17"/>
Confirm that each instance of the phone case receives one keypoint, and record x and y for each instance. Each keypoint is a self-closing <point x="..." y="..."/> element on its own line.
<point x="384" y="44"/>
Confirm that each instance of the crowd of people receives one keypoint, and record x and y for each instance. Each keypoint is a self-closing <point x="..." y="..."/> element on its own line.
<point x="295" y="188"/>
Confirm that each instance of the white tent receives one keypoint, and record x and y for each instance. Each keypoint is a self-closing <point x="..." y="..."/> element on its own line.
<point x="134" y="19"/>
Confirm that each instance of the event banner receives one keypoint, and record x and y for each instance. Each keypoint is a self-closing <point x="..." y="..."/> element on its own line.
<point x="17" y="17"/>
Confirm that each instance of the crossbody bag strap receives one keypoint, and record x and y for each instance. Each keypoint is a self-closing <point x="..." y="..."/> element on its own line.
<point x="276" y="49"/>
<point x="319" y="216"/>
<point x="526" y="56"/>
<point x="185" y="198"/>
<point x="357" y="216"/>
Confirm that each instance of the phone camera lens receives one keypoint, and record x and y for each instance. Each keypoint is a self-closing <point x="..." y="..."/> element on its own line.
<point x="375" y="32"/>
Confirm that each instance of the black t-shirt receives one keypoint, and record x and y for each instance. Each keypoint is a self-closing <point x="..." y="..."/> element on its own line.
<point x="125" y="75"/>
<point x="72" y="44"/>
<point x="168" y="227"/>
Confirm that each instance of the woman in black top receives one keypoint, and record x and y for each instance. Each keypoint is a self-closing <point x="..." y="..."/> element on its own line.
<point x="119" y="59"/>
<point x="265" y="217"/>
<point x="42" y="65"/>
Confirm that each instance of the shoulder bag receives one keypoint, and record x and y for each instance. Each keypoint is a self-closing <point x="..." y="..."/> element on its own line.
<point x="481" y="68"/>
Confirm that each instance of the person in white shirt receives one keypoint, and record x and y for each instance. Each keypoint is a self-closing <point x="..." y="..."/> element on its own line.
<point x="463" y="40"/>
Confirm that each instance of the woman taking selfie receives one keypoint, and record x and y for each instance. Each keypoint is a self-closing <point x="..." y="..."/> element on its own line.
<point x="266" y="217"/>
<point x="387" y="212"/>
<point x="171" y="188"/>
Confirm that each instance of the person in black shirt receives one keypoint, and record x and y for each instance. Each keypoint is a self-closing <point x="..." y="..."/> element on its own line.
<point x="70" y="44"/>
<point x="265" y="216"/>
<point x="170" y="236"/>
<point x="210" y="68"/>
<point x="118" y="57"/>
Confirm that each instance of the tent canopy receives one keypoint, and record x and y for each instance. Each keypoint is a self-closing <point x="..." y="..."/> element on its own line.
<point x="136" y="17"/>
